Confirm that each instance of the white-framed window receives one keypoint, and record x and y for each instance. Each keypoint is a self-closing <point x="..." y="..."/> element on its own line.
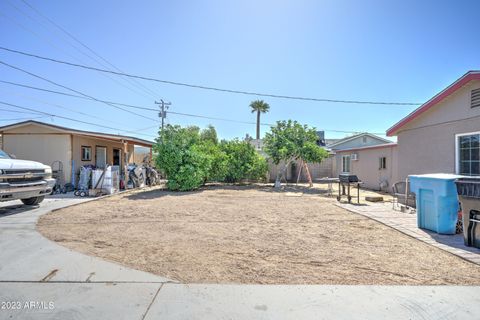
<point x="382" y="163"/>
<point x="346" y="164"/>
<point x="86" y="153"/>
<point x="467" y="154"/>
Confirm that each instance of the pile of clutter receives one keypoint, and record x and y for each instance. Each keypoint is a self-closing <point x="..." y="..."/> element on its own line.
<point x="100" y="181"/>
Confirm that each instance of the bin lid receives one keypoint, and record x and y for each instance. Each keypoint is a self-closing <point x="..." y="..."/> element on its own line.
<point x="468" y="187"/>
<point x="442" y="176"/>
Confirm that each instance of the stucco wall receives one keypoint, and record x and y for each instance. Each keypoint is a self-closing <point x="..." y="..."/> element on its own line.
<point x="427" y="143"/>
<point x="367" y="167"/>
<point x="44" y="148"/>
<point x="37" y="143"/>
<point x="79" y="141"/>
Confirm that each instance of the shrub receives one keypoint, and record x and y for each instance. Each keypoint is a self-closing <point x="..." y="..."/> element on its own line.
<point x="180" y="158"/>
<point x="243" y="161"/>
<point x="190" y="157"/>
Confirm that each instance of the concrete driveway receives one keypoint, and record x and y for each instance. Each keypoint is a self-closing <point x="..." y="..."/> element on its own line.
<point x="42" y="280"/>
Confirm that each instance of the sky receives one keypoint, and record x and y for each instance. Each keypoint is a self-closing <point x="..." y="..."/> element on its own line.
<point x="395" y="51"/>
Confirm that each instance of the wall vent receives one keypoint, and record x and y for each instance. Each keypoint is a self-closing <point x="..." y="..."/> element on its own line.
<point x="475" y="98"/>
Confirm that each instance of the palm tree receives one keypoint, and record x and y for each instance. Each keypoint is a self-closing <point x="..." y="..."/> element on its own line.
<point x="259" y="106"/>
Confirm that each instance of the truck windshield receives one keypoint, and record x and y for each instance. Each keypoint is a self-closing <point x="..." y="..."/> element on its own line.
<point x="3" y="155"/>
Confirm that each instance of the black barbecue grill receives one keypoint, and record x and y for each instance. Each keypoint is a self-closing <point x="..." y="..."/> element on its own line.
<point x="344" y="182"/>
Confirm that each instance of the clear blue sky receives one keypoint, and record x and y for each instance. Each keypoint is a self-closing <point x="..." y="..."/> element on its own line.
<point x="402" y="51"/>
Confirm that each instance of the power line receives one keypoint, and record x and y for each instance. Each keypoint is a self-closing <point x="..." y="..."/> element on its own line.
<point x="128" y="105"/>
<point x="71" y="119"/>
<point x="209" y="88"/>
<point x="17" y="119"/>
<point x="132" y="81"/>
<point x="73" y="95"/>
<point x="16" y="111"/>
<point x="156" y="110"/>
<point x="53" y="45"/>
<point x="73" y="90"/>
<point x="90" y="115"/>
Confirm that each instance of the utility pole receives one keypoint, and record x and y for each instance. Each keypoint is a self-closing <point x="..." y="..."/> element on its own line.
<point x="163" y="110"/>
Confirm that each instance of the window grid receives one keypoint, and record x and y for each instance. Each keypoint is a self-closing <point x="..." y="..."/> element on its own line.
<point x="469" y="155"/>
<point x="86" y="153"/>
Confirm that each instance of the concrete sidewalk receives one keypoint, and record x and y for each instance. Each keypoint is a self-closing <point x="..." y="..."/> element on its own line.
<point x="42" y="280"/>
<point x="177" y="301"/>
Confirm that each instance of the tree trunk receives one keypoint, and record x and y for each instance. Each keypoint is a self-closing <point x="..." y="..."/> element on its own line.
<point x="309" y="177"/>
<point x="300" y="172"/>
<point x="280" y="174"/>
<point x="258" y="125"/>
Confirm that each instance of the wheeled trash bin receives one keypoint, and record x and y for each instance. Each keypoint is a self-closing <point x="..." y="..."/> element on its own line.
<point x="437" y="202"/>
<point x="468" y="190"/>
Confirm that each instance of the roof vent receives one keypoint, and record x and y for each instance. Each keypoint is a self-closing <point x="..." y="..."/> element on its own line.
<point x="476" y="98"/>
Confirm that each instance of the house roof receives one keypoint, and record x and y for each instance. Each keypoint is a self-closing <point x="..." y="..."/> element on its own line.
<point x="378" y="146"/>
<point x="349" y="138"/>
<point x="130" y="139"/>
<point x="459" y="83"/>
<point x="330" y="141"/>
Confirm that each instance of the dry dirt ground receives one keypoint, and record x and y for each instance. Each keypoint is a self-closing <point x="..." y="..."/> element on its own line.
<point x="251" y="235"/>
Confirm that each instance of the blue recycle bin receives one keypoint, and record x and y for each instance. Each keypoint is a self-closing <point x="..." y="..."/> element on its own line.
<point x="437" y="201"/>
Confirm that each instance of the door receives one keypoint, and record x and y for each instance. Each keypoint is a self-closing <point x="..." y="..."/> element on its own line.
<point x="346" y="164"/>
<point x="116" y="157"/>
<point x="100" y="157"/>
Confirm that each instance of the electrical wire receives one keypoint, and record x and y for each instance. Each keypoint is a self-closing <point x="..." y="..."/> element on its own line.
<point x="53" y="45"/>
<point x="170" y="112"/>
<point x="70" y="119"/>
<point x="90" y="115"/>
<point x="250" y="93"/>
<point x="73" y="90"/>
<point x="18" y="119"/>
<point x="71" y="36"/>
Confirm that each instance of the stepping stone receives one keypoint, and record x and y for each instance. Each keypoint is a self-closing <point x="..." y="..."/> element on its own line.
<point x="374" y="198"/>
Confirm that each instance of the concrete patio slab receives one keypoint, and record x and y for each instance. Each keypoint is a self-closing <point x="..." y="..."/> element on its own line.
<point x="407" y="224"/>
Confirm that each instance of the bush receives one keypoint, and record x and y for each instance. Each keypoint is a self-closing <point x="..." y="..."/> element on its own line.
<point x="189" y="157"/>
<point x="181" y="159"/>
<point x="243" y="161"/>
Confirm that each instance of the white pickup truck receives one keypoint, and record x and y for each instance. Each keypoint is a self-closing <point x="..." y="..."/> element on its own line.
<point x="24" y="180"/>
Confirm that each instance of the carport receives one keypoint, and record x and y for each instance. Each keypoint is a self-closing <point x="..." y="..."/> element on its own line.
<point x="48" y="143"/>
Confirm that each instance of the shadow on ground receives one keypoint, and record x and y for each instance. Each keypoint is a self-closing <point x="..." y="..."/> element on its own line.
<point x="9" y="210"/>
<point x="298" y="189"/>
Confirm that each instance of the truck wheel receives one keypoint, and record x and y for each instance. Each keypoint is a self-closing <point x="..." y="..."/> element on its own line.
<point x="33" y="201"/>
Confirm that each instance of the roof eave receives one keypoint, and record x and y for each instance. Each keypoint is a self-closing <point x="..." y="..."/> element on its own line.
<point x="459" y="83"/>
<point x="133" y="140"/>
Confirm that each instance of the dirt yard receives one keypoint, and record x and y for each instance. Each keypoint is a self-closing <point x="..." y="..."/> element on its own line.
<point x="250" y="235"/>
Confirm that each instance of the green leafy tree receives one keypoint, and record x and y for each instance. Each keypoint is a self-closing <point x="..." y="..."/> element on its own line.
<point x="259" y="106"/>
<point x="289" y="141"/>
<point x="209" y="134"/>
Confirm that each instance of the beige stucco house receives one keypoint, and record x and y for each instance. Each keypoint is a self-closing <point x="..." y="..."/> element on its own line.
<point x="375" y="165"/>
<point x="443" y="134"/>
<point x="372" y="158"/>
<point x="46" y="143"/>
